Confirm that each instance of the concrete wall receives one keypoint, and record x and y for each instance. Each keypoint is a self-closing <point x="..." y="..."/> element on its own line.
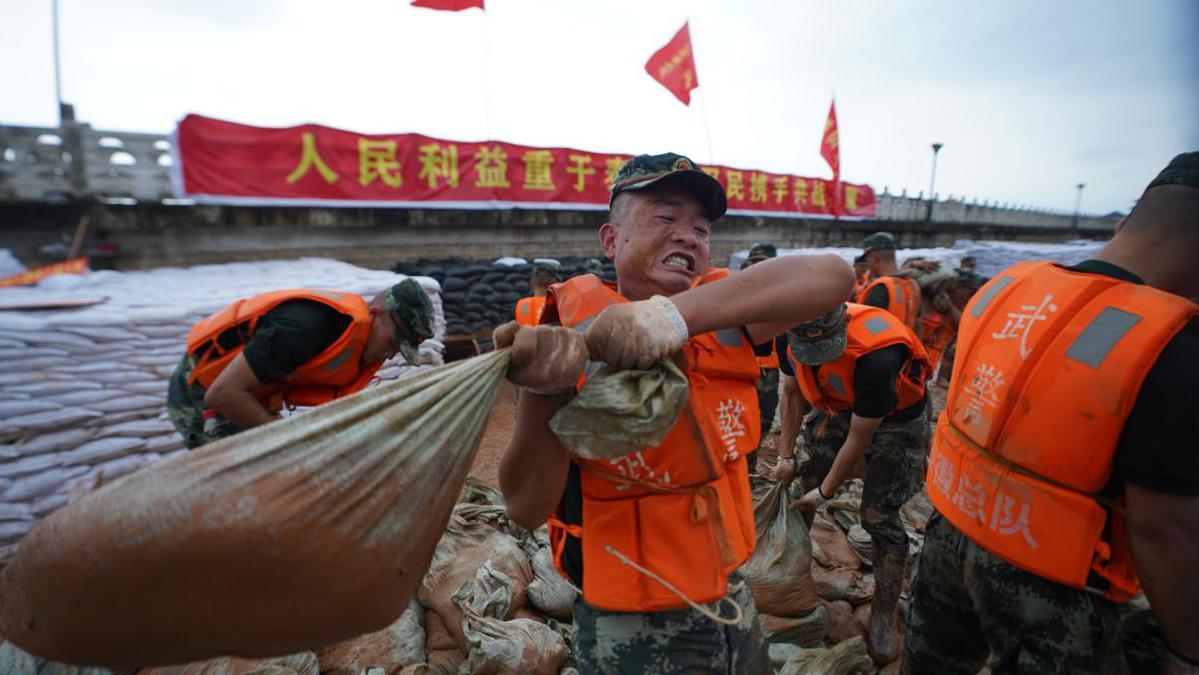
<point x="152" y="235"/>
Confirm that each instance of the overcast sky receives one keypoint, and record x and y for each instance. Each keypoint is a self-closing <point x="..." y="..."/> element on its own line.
<point x="1030" y="97"/>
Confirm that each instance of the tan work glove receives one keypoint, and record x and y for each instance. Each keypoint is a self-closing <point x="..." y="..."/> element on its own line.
<point x="546" y="360"/>
<point x="637" y="334"/>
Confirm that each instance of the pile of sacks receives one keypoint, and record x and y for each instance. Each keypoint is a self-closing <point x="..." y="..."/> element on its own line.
<point x="478" y="296"/>
<point x="83" y="390"/>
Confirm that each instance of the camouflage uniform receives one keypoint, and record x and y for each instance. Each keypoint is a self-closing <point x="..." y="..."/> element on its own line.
<point x="967" y="603"/>
<point x="895" y="466"/>
<point x="670" y="641"/>
<point x="185" y="405"/>
<point x="768" y="403"/>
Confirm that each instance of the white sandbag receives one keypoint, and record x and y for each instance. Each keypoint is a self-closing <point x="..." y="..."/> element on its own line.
<point x="48" y="420"/>
<point x="158" y="388"/>
<point x="44" y="387"/>
<point x="25" y="407"/>
<point x="101" y="449"/>
<point x="33" y="363"/>
<point x="516" y="647"/>
<point x="53" y="441"/>
<point x="119" y="404"/>
<point x="19" y="378"/>
<point x="32" y="487"/>
<point x="13" y="353"/>
<point x="81" y="397"/>
<point x="50" y="338"/>
<point x="154" y="359"/>
<point x="139" y="428"/>
<point x="27" y="466"/>
<point x="165" y="330"/>
<point x="104" y="333"/>
<point x="15" y="512"/>
<point x="164" y="443"/>
<point x="11" y="530"/>
<point x="127" y="376"/>
<point x="90" y="367"/>
<point x="44" y="506"/>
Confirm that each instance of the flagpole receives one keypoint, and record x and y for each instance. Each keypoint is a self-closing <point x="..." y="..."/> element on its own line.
<point x="703" y="111"/>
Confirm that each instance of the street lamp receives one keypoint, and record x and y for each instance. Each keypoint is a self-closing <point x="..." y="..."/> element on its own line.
<point x="1077" y="205"/>
<point x="932" y="184"/>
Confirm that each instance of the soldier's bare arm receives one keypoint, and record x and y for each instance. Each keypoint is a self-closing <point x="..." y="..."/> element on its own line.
<point x="232" y="395"/>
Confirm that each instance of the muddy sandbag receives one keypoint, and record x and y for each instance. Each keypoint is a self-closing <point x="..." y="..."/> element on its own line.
<point x="321" y="526"/>
<point x="842" y="624"/>
<point x="437" y="638"/>
<point x="444" y="662"/>
<point x="516" y="647"/>
<point x="549" y="591"/>
<point x="830" y="547"/>
<point x="400" y="644"/>
<point x="779" y="572"/>
<point x="846" y="658"/>
<point x="16" y="661"/>
<point x="301" y="663"/>
<point x="622" y="411"/>
<point x="842" y="583"/>
<point x="807" y="630"/>
<point x="468" y="545"/>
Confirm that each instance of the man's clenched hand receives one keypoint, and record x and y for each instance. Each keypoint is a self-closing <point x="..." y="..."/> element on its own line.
<point x="637" y="334"/>
<point x="545" y="359"/>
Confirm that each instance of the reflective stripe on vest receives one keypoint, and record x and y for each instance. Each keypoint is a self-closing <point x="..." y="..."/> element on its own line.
<point x="682" y="509"/>
<point x="1049" y="365"/>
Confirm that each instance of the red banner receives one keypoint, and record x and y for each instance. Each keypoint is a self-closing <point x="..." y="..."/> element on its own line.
<point x="223" y="162"/>
<point x="31" y="277"/>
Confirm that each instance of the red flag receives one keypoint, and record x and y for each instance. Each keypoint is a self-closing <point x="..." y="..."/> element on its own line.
<point x="830" y="149"/>
<point x="673" y="67"/>
<point x="448" y="5"/>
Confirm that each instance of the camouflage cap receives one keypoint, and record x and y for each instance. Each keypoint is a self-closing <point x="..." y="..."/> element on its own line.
<point x="409" y="306"/>
<point x="970" y="279"/>
<point x="820" y="340"/>
<point x="643" y="171"/>
<point x="594" y="266"/>
<point x="546" y="268"/>
<point x="879" y="241"/>
<point x="1182" y="170"/>
<point x="762" y="251"/>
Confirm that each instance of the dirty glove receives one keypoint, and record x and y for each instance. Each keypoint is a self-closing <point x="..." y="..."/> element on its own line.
<point x="943" y="302"/>
<point x="811" y="501"/>
<point x="546" y="360"/>
<point x="784" y="469"/>
<point x="637" y="334"/>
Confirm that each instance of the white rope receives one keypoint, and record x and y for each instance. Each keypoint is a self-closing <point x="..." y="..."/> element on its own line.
<point x="694" y="605"/>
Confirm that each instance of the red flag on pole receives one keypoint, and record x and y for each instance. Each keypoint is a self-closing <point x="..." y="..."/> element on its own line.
<point x="830" y="149"/>
<point x="673" y="67"/>
<point x="448" y="5"/>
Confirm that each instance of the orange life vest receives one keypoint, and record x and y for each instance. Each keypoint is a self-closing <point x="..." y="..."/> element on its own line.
<point x="830" y="386"/>
<point x="528" y="310"/>
<point x="681" y="510"/>
<point x="338" y="371"/>
<point x="1049" y="364"/>
<point x="903" y="298"/>
<point x="771" y="360"/>
<point x="936" y="332"/>
<point x="859" y="286"/>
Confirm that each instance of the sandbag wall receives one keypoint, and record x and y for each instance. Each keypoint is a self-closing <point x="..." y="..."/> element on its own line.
<point x="480" y="295"/>
<point x="83" y="390"/>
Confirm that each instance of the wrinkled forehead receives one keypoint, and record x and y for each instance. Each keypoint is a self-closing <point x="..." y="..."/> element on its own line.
<point x="678" y="197"/>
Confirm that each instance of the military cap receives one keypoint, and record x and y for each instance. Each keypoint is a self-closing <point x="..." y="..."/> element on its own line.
<point x="409" y="305"/>
<point x="643" y="171"/>
<point x="762" y="251"/>
<point x="1182" y="170"/>
<point x="879" y="241"/>
<point x="819" y="340"/>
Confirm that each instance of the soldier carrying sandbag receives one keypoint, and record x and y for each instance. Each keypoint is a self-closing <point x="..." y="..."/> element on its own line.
<point x="296" y="347"/>
<point x="654" y="538"/>
<point x="864" y="372"/>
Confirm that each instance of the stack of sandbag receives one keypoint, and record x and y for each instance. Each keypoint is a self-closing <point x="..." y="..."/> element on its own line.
<point x="83" y="389"/>
<point x="842" y="554"/>
<point x="480" y="295"/>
